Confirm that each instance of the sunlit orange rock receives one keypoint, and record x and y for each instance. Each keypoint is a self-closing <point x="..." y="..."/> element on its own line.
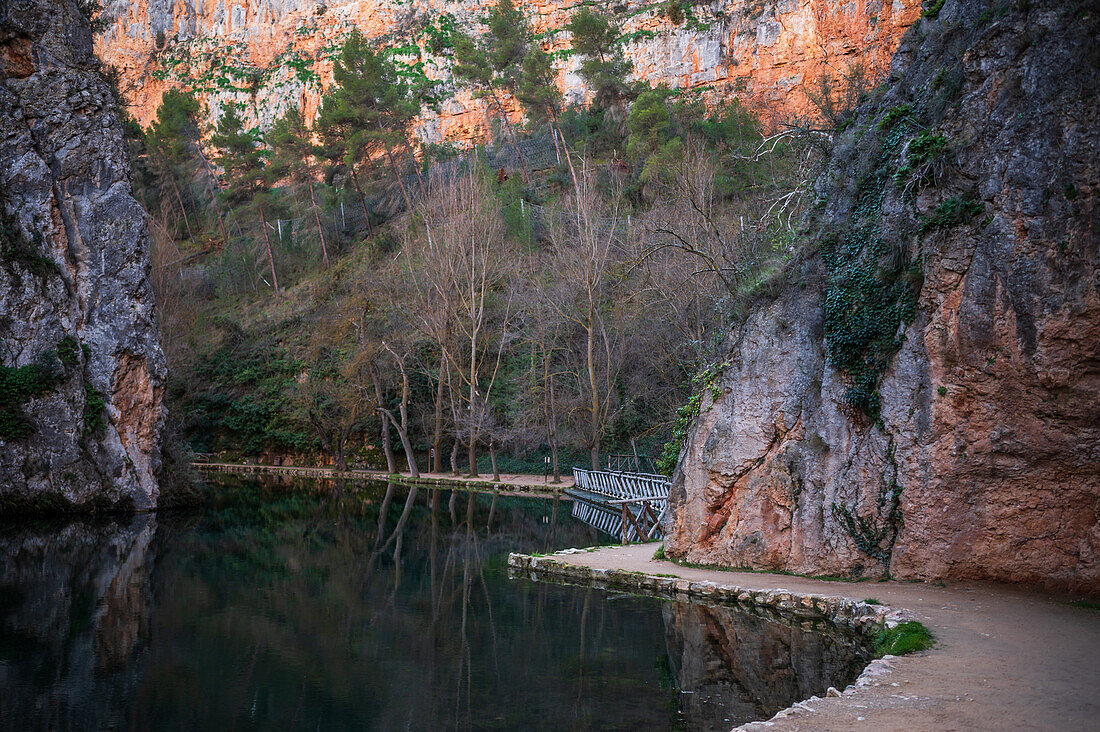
<point x="268" y="54"/>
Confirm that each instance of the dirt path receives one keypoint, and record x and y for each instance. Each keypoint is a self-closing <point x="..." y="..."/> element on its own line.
<point x="1005" y="658"/>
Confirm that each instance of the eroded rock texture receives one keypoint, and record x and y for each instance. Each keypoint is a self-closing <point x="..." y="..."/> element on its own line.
<point x="83" y="371"/>
<point x="984" y="460"/>
<point x="268" y="54"/>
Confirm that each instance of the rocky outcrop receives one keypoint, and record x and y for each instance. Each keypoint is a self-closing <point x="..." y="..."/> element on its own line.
<point x="268" y="54"/>
<point x="81" y="367"/>
<point x="923" y="396"/>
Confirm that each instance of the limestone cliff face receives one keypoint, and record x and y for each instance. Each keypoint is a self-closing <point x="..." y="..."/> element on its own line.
<point x="82" y="368"/>
<point x="269" y="54"/>
<point x="979" y="166"/>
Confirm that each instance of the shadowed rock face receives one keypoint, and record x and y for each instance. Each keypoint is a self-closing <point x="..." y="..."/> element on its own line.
<point x="74" y="293"/>
<point x="74" y="611"/>
<point x="734" y="667"/>
<point x="989" y="439"/>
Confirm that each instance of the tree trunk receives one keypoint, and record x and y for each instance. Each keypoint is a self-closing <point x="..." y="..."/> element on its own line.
<point x="267" y="244"/>
<point x="387" y="447"/>
<point x="403" y="434"/>
<point x="183" y="211"/>
<point x="317" y="218"/>
<point x="362" y="200"/>
<point x="595" y="457"/>
<point x="551" y="420"/>
<point x="511" y="134"/>
<point x="210" y="180"/>
<point x="454" y="459"/>
<point x="437" y="430"/>
<point x="400" y="183"/>
<point x="471" y="452"/>
<point x="493" y="459"/>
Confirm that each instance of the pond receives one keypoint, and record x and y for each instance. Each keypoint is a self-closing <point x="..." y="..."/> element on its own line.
<point x="301" y="605"/>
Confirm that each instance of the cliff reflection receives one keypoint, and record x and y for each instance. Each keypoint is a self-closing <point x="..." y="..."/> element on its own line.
<point x="74" y="615"/>
<point x="733" y="666"/>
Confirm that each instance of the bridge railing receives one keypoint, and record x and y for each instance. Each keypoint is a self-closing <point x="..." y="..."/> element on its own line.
<point x="616" y="484"/>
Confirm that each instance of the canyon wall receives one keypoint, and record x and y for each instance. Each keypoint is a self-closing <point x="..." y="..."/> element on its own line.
<point x="266" y="55"/>
<point x="960" y="206"/>
<point x="81" y="367"/>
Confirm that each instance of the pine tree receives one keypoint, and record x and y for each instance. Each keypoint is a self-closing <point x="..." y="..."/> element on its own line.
<point x="246" y="174"/>
<point x="370" y="107"/>
<point x="174" y="147"/>
<point x="294" y="159"/>
<point x="496" y="63"/>
<point x="603" y="67"/>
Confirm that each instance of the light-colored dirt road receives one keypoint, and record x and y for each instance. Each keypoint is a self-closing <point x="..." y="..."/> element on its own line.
<point x="1005" y="659"/>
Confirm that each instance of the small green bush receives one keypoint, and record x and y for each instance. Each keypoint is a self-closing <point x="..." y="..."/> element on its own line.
<point x="955" y="211"/>
<point x="907" y="637"/>
<point x="933" y="11"/>
<point x="94" y="404"/>
<point x="68" y="350"/>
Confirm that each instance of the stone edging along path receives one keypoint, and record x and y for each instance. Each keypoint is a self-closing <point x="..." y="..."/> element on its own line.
<point x="511" y="484"/>
<point x="863" y="618"/>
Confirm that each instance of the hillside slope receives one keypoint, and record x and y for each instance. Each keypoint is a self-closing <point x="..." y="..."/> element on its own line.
<point x="923" y="396"/>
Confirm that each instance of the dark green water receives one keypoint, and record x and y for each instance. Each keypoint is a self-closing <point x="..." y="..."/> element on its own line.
<point x="284" y="606"/>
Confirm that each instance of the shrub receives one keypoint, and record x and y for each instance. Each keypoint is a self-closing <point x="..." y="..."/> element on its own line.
<point x="907" y="637"/>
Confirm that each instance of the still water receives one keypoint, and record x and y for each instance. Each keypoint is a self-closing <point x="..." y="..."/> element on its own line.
<point x="300" y="605"/>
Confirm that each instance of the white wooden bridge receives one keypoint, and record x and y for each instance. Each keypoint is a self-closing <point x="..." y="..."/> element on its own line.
<point x="630" y="506"/>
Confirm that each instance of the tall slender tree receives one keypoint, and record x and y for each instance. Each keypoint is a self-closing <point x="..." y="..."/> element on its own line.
<point x="246" y="173"/>
<point x="294" y="159"/>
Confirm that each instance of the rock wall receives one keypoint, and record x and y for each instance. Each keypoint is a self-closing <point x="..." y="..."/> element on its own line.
<point x="81" y="367"/>
<point x="268" y="54"/>
<point x="977" y="168"/>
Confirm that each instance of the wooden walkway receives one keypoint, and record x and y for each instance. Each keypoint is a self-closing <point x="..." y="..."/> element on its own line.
<point x="508" y="483"/>
<point x="630" y="506"/>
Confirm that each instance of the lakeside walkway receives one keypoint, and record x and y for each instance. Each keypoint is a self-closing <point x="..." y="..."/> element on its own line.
<point x="1005" y="658"/>
<point x="508" y="483"/>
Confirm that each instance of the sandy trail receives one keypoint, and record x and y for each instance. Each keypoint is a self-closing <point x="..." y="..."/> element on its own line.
<point x="1006" y="658"/>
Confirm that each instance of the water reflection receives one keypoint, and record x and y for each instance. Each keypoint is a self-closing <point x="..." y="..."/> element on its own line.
<point x="350" y="607"/>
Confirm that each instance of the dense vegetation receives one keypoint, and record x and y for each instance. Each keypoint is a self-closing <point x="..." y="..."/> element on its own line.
<point x="338" y="288"/>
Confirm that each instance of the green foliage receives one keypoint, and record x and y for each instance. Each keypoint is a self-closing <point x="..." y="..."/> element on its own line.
<point x="15" y="250"/>
<point x="955" y="211"/>
<point x="370" y="107"/>
<point x="705" y="380"/>
<point x="245" y="402"/>
<point x="922" y="149"/>
<point x="908" y="637"/>
<point x="18" y="385"/>
<point x="872" y="286"/>
<point x="537" y="89"/>
<point x="94" y="403"/>
<point x="68" y="350"/>
<point x="603" y="66"/>
<point x="933" y="10"/>
<point x="895" y="115"/>
<point x="440" y="32"/>
<point x="873" y="601"/>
